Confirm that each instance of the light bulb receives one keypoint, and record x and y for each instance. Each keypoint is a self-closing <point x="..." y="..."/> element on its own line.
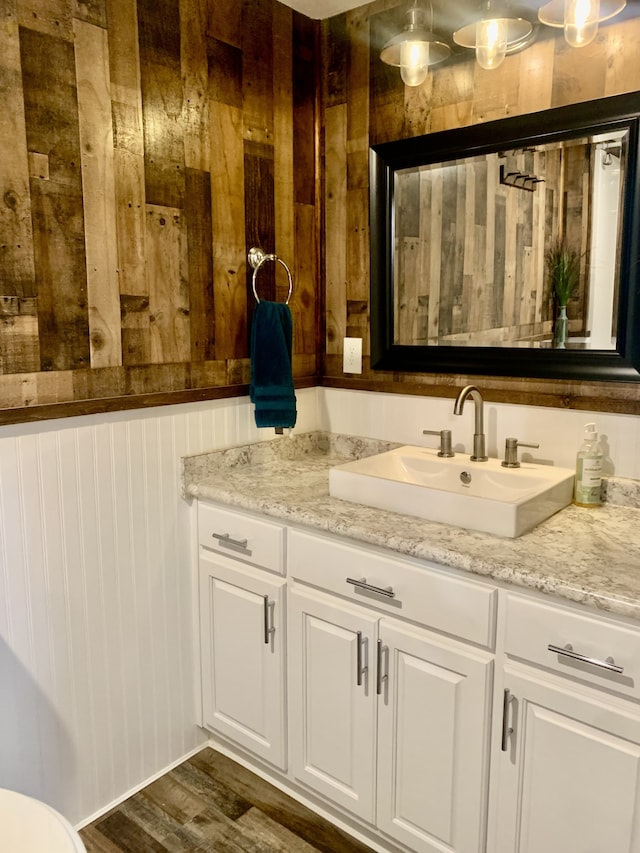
<point x="414" y="62"/>
<point x="581" y="21"/>
<point x="491" y="42"/>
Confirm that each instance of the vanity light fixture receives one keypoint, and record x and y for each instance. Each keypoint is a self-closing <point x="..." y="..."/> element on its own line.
<point x="415" y="48"/>
<point x="494" y="33"/>
<point x="579" y="18"/>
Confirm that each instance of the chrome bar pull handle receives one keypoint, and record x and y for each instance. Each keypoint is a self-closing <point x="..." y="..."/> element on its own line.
<point x="507" y="730"/>
<point x="379" y="676"/>
<point x="361" y="665"/>
<point x="269" y="627"/>
<point x="568" y="652"/>
<point x="361" y="583"/>
<point x="225" y="540"/>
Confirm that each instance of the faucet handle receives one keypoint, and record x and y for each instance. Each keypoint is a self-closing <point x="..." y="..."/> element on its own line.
<point x="445" y="440"/>
<point x="511" y="446"/>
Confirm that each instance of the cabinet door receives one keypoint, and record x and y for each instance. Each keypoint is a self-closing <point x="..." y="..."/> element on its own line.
<point x="433" y="740"/>
<point x="569" y="780"/>
<point x="331" y="699"/>
<point x="242" y="627"/>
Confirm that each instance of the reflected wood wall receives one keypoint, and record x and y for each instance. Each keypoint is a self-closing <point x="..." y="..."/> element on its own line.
<point x="470" y="251"/>
<point x="145" y="145"/>
<point x="366" y="103"/>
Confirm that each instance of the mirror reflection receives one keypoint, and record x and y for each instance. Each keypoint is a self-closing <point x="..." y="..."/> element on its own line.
<point x="514" y="248"/>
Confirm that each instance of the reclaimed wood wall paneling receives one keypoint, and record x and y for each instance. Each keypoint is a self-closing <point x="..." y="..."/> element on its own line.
<point x="497" y="219"/>
<point x="98" y="185"/>
<point x="457" y="94"/>
<point x="52" y="132"/>
<point x="161" y="142"/>
<point x="17" y="273"/>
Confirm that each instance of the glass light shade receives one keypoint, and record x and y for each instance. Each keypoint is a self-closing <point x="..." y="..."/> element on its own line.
<point x="556" y="13"/>
<point x="414" y="62"/>
<point x="493" y="35"/>
<point x="581" y="19"/>
<point x="491" y="42"/>
<point x="414" y="49"/>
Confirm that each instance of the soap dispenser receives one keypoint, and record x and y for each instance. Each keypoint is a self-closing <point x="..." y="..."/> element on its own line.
<point x="588" y="469"/>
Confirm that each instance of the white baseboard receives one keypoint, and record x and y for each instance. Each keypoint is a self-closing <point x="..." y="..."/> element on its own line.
<point x="136" y="788"/>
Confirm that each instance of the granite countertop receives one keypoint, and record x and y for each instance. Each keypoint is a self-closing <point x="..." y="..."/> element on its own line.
<point x="590" y="556"/>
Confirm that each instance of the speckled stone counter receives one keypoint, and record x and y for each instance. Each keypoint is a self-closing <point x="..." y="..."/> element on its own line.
<point x="590" y="556"/>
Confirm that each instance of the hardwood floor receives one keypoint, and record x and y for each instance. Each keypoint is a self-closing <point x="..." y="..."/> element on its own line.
<point x="211" y="803"/>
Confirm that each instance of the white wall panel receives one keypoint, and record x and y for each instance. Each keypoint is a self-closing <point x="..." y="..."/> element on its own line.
<point x="97" y="606"/>
<point x="559" y="432"/>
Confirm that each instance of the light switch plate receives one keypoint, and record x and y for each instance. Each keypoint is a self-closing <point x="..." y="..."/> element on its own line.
<point x="352" y="355"/>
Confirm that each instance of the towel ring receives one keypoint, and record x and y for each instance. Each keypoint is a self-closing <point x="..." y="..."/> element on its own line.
<point x="257" y="258"/>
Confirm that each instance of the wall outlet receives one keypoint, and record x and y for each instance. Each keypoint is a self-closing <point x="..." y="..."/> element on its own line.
<point x="352" y="355"/>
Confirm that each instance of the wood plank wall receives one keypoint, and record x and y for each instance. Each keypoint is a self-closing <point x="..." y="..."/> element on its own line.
<point x="145" y="146"/>
<point x="366" y="103"/>
<point x="470" y="251"/>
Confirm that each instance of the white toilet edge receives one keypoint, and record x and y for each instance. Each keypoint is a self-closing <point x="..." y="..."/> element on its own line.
<point x="24" y="819"/>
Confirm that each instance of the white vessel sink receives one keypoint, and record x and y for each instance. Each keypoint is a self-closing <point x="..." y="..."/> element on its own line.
<point x="475" y="495"/>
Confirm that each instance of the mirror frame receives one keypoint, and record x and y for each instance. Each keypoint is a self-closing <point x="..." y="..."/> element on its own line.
<point x="621" y="364"/>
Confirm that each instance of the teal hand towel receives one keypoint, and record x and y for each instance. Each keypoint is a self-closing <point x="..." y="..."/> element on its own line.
<point x="271" y="388"/>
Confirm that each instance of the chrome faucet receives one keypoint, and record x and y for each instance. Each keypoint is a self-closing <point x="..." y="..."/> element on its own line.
<point x="479" y="453"/>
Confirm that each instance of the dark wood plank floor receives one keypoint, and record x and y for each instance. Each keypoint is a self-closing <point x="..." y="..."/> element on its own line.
<point x="211" y="803"/>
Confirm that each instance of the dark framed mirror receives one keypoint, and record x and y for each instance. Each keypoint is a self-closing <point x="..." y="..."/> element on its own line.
<point x="511" y="248"/>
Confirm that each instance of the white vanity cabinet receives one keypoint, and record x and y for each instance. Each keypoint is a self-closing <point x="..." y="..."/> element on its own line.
<point x="567" y="777"/>
<point x="424" y="707"/>
<point x="332" y="719"/>
<point x="242" y="624"/>
<point x="387" y="719"/>
<point x="433" y="723"/>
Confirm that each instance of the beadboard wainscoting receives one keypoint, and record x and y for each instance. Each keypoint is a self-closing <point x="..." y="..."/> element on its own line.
<point x="97" y="598"/>
<point x="98" y="624"/>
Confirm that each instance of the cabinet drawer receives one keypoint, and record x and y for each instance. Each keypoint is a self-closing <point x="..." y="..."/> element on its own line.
<point x="534" y="625"/>
<point x="241" y="536"/>
<point x="426" y="595"/>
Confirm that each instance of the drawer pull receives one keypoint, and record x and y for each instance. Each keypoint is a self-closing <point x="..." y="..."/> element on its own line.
<point x="269" y="627"/>
<point x="507" y="730"/>
<point x="382" y="651"/>
<point x="361" y="665"/>
<point x="225" y="540"/>
<point x="361" y="583"/>
<point x="567" y="651"/>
